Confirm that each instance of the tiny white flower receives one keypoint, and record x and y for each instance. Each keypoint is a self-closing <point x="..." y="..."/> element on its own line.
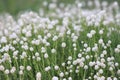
<point x="100" y="71"/>
<point x="55" y="38"/>
<point x="45" y="55"/>
<point x="89" y="35"/>
<point x="31" y="49"/>
<point x="111" y="69"/>
<point x="54" y="78"/>
<point x="92" y="32"/>
<point x="38" y="58"/>
<point x="47" y="68"/>
<point x="38" y="76"/>
<point x="6" y="71"/>
<point x="3" y="39"/>
<point x="61" y="74"/>
<point x="28" y="68"/>
<point x="70" y="78"/>
<point x="2" y="68"/>
<point x="56" y="67"/>
<point x="36" y="54"/>
<point x="63" y="44"/>
<point x="22" y="67"/>
<point x="13" y="70"/>
<point x="53" y="51"/>
<point x="101" y="32"/>
<point x="85" y="67"/>
<point x="70" y="58"/>
<point x="100" y="41"/>
<point x="85" y="45"/>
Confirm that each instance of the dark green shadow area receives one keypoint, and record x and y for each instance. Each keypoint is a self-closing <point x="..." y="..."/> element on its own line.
<point x="15" y="6"/>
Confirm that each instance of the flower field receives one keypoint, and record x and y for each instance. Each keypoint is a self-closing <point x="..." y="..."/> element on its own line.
<point x="66" y="42"/>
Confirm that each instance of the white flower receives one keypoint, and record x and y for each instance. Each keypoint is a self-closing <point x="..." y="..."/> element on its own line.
<point x="76" y="71"/>
<point x="61" y="74"/>
<point x="92" y="32"/>
<point x="111" y="69"/>
<point x="50" y="26"/>
<point x="70" y="58"/>
<point x="15" y="53"/>
<point x="55" y="38"/>
<point x="79" y="55"/>
<point x="53" y="51"/>
<point x="100" y="41"/>
<point x="48" y="34"/>
<point x="36" y="54"/>
<point x="66" y="73"/>
<point x="56" y="67"/>
<point x="85" y="45"/>
<point x="75" y="49"/>
<point x="95" y="48"/>
<point x="85" y="67"/>
<point x="13" y="36"/>
<point x="117" y="50"/>
<point x="13" y="70"/>
<point x="22" y="67"/>
<point x="43" y="50"/>
<point x="104" y="52"/>
<point x="116" y="64"/>
<point x="115" y="78"/>
<point x="88" y="49"/>
<point x="68" y="62"/>
<point x="45" y="3"/>
<point x="47" y="44"/>
<point x="118" y="72"/>
<point x="63" y="64"/>
<point x="38" y="76"/>
<point x="91" y="63"/>
<point x="70" y="78"/>
<point x="63" y="44"/>
<point x="28" y="34"/>
<point x="38" y="58"/>
<point x="109" y="41"/>
<point x="100" y="71"/>
<point x="45" y="55"/>
<point x="37" y="42"/>
<point x="6" y="71"/>
<point x="87" y="57"/>
<point x="47" y="68"/>
<point x="101" y="32"/>
<point x="6" y="56"/>
<point x="24" y="54"/>
<point x="74" y="44"/>
<point x="55" y="78"/>
<point x="52" y="5"/>
<point x="14" y="42"/>
<point x="64" y="79"/>
<point x="109" y="78"/>
<point x="2" y="68"/>
<point x="89" y="35"/>
<point x="28" y="68"/>
<point x="3" y="40"/>
<point x="96" y="67"/>
<point x="68" y="32"/>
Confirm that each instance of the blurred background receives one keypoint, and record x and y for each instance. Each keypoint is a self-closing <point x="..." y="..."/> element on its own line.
<point x="15" y="6"/>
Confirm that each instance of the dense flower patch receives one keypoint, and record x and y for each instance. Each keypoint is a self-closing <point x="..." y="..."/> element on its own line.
<point x="67" y="42"/>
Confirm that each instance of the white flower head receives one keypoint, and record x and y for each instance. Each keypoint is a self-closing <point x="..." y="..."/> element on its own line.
<point x="55" y="78"/>
<point x="63" y="44"/>
<point x="38" y="76"/>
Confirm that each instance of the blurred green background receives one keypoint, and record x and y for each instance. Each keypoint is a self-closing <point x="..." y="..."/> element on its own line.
<point x="15" y="6"/>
